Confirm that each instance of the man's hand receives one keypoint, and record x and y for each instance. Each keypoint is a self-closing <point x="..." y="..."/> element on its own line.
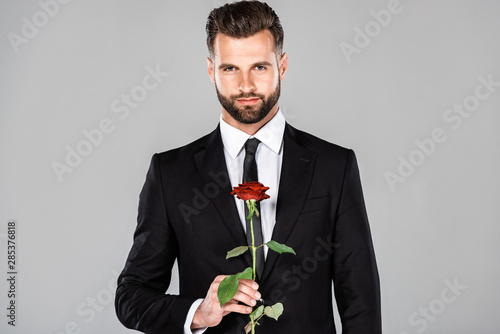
<point x="209" y="313"/>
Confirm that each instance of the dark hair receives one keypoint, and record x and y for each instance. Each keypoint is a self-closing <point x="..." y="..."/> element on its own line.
<point x="244" y="19"/>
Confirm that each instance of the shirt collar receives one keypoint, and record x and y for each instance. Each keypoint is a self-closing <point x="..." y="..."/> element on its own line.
<point x="271" y="134"/>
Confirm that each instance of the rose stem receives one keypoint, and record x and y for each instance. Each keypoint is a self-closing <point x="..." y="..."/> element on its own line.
<point x="254" y="249"/>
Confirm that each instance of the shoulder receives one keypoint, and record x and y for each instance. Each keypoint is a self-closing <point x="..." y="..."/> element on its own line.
<point x="316" y="144"/>
<point x="333" y="162"/>
<point x="190" y="149"/>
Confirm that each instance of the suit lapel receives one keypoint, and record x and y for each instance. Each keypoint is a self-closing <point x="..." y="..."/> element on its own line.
<point x="295" y="180"/>
<point x="210" y="160"/>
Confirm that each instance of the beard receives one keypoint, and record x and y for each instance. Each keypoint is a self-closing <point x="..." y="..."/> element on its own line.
<point x="249" y="114"/>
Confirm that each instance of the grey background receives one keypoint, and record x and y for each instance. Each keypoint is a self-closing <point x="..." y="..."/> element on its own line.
<point x="440" y="224"/>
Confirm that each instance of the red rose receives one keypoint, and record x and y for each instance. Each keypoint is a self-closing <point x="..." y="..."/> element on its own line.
<point x="251" y="190"/>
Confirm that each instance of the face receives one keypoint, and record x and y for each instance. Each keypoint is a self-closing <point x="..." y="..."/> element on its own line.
<point x="247" y="75"/>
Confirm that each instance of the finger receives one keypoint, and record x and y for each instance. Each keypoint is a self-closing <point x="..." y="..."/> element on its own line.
<point x="249" y="290"/>
<point x="215" y="284"/>
<point x="238" y="308"/>
<point x="220" y="278"/>
<point x="249" y="283"/>
<point x="245" y="299"/>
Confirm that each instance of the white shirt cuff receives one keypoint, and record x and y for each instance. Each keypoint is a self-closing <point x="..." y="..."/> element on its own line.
<point x="189" y="319"/>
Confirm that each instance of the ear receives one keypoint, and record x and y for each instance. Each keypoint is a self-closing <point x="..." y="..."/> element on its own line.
<point x="210" y="69"/>
<point x="283" y="65"/>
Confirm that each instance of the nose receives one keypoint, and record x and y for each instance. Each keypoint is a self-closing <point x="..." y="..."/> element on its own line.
<point x="246" y="83"/>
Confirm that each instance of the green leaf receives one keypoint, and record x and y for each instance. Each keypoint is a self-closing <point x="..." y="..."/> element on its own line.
<point x="248" y="328"/>
<point x="257" y="312"/>
<point x="245" y="274"/>
<point x="250" y="214"/>
<point x="227" y="289"/>
<point x="257" y="212"/>
<point x="236" y="252"/>
<point x="251" y="209"/>
<point x="279" y="248"/>
<point x="229" y="285"/>
<point x="274" y="311"/>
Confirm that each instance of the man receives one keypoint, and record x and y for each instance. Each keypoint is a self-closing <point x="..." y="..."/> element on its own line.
<point x="186" y="211"/>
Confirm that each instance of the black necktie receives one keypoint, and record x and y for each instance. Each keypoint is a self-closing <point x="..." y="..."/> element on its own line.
<point x="250" y="174"/>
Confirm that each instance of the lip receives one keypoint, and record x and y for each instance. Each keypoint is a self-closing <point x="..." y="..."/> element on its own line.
<point x="248" y="101"/>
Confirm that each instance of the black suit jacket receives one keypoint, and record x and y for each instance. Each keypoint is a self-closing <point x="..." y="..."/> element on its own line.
<point x="186" y="213"/>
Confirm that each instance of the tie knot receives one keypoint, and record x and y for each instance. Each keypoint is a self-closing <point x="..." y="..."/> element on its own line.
<point x="251" y="145"/>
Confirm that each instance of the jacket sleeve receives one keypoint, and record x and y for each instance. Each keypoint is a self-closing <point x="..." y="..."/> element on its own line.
<point x="141" y="302"/>
<point x="355" y="275"/>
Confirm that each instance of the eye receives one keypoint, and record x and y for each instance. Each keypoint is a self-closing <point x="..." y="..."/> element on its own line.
<point x="229" y="69"/>
<point x="260" y="68"/>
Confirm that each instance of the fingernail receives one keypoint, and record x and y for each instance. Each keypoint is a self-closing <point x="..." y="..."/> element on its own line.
<point x="253" y="302"/>
<point x="257" y="295"/>
<point x="255" y="286"/>
<point x="249" y="309"/>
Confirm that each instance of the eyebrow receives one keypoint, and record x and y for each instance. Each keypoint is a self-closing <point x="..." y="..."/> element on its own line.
<point x="260" y="63"/>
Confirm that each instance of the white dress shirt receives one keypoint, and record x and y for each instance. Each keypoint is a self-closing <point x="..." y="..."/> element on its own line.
<point x="269" y="157"/>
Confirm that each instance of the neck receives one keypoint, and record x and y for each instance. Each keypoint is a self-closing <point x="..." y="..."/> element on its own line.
<point x="250" y="129"/>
